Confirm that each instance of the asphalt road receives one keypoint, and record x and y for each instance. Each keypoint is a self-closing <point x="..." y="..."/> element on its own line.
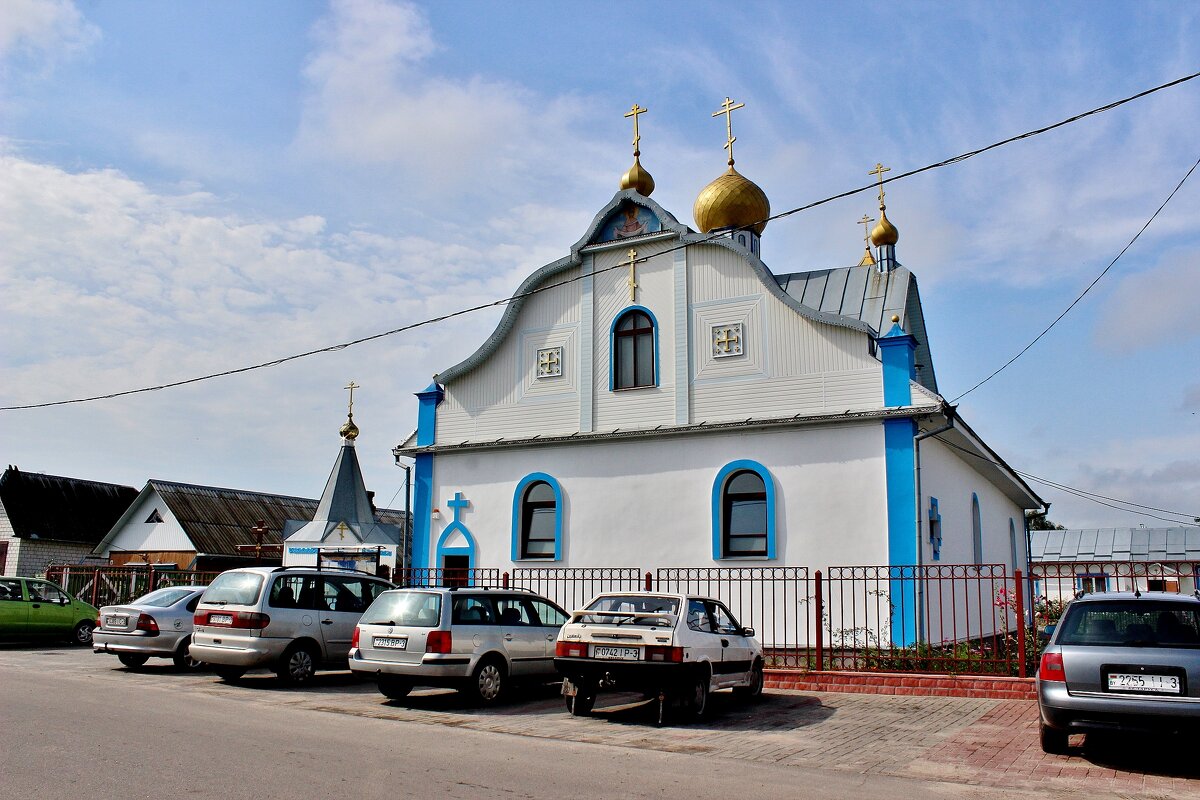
<point x="78" y="727"/>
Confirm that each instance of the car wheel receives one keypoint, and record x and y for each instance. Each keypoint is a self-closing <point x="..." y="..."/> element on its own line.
<point x="1054" y="741"/>
<point x="697" y="698"/>
<point x="754" y="690"/>
<point x="229" y="674"/>
<point x="488" y="682"/>
<point x="132" y="660"/>
<point x="393" y="688"/>
<point x="82" y="635"/>
<point x="183" y="659"/>
<point x="298" y="665"/>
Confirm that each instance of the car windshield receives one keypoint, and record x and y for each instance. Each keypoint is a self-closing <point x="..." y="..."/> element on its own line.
<point x="1130" y="623"/>
<point x="624" y="610"/>
<point x="162" y="598"/>
<point x="240" y="588"/>
<point x="408" y="609"/>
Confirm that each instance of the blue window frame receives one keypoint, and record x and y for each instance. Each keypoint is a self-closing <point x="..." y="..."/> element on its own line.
<point x="537" y="519"/>
<point x="935" y="529"/>
<point x="976" y="531"/>
<point x="743" y="512"/>
<point x="634" y="349"/>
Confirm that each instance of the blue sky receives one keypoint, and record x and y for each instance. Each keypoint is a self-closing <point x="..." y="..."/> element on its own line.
<point x="187" y="188"/>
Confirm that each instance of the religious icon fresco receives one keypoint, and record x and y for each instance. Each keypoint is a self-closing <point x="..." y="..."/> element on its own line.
<point x="628" y="220"/>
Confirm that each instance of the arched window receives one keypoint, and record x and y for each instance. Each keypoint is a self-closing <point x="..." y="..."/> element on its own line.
<point x="537" y="519"/>
<point x="633" y="350"/>
<point x="1012" y="543"/>
<point x="976" y="530"/>
<point x="743" y="512"/>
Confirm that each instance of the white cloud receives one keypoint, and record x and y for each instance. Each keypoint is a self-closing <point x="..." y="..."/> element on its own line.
<point x="1152" y="307"/>
<point x="43" y="27"/>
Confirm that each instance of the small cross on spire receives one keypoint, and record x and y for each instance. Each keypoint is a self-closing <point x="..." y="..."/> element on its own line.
<point x="878" y="171"/>
<point x="727" y="108"/>
<point x="634" y="110"/>
<point x="352" y="386"/>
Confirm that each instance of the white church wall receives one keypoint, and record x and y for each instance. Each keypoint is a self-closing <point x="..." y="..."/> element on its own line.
<point x="137" y="535"/>
<point x="648" y="503"/>
<point x="953" y="481"/>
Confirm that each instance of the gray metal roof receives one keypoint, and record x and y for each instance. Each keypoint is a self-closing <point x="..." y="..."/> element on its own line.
<point x="868" y="295"/>
<point x="1116" y="544"/>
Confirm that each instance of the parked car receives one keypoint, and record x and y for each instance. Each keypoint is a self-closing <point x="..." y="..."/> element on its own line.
<point x="155" y="625"/>
<point x="35" y="608"/>
<point x="289" y="619"/>
<point x="476" y="640"/>
<point x="677" y="647"/>
<point x="1121" y="661"/>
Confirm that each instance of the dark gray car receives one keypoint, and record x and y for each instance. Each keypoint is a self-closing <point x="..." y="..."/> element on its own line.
<point x="1121" y="661"/>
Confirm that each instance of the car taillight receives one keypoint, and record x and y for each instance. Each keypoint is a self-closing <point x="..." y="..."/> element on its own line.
<point x="1051" y="668"/>
<point x="656" y="653"/>
<point x="146" y="623"/>
<point x="354" y="638"/>
<point x="232" y="619"/>
<point x="570" y="650"/>
<point x="438" y="642"/>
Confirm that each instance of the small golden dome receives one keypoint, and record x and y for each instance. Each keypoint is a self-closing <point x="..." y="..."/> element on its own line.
<point x="349" y="430"/>
<point x="638" y="179"/>
<point x="732" y="201"/>
<point x="885" y="232"/>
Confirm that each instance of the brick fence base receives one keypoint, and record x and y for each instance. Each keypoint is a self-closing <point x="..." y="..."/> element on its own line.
<point x="904" y="684"/>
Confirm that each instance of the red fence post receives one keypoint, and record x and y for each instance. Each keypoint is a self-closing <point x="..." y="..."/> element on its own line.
<point x="96" y="587"/>
<point x="649" y="581"/>
<point x="504" y="580"/>
<point x="820" y="611"/>
<point x="1017" y="584"/>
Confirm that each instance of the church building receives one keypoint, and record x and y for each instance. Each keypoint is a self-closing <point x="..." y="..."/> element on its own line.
<point x="661" y="397"/>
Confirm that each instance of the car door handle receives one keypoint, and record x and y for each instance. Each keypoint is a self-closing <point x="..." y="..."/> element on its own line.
<point x="37" y="605"/>
<point x="508" y="637"/>
<point x="326" y="622"/>
<point x="724" y="643"/>
<point x="551" y="638"/>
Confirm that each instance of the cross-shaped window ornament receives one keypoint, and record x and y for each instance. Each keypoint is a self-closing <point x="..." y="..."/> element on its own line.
<point x="727" y="340"/>
<point x="935" y="529"/>
<point x="549" y="362"/>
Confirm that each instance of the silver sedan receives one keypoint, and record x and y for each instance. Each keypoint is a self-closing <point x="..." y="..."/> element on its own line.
<point x="158" y="624"/>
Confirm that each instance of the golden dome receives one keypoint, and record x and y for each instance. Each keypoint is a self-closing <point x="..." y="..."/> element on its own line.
<point x="885" y="232"/>
<point x="638" y="179"/>
<point x="732" y="201"/>
<point x="349" y="430"/>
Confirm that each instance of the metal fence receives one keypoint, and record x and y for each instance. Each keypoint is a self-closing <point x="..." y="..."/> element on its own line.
<point x="446" y="576"/>
<point x="573" y="587"/>
<point x="106" y="586"/>
<point x="1056" y="582"/>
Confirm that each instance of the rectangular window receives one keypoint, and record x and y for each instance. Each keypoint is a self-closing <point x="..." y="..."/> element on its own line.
<point x="625" y="363"/>
<point x="747" y="531"/>
<point x="645" y="360"/>
<point x="1093" y="583"/>
<point x="540" y="540"/>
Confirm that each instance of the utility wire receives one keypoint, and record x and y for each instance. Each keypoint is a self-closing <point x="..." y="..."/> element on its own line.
<point x="1082" y="493"/>
<point x="1082" y="294"/>
<point x="333" y="348"/>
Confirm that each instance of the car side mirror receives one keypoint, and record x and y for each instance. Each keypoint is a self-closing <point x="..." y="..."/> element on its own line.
<point x="747" y="631"/>
<point x="62" y="601"/>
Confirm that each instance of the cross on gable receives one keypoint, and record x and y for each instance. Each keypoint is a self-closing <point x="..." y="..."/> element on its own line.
<point x="458" y="504"/>
<point x="725" y="338"/>
<point x="632" y="280"/>
<point x="548" y="360"/>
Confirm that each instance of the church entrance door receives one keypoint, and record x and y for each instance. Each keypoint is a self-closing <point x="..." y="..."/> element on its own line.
<point x="455" y="570"/>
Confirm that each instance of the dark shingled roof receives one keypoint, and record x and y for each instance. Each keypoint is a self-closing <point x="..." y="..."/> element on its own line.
<point x="218" y="520"/>
<point x="57" y="509"/>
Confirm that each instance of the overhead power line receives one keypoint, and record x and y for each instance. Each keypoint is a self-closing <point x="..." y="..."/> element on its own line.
<point x="433" y="320"/>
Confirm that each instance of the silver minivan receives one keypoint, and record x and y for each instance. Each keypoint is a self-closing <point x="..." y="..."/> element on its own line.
<point x="476" y="640"/>
<point x="289" y="619"/>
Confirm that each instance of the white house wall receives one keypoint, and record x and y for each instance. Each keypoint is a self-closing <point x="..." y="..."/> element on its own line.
<point x="137" y="535"/>
<point x="947" y="477"/>
<point x="829" y="484"/>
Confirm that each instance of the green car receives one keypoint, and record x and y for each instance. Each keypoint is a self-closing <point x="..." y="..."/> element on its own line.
<point x="33" y="608"/>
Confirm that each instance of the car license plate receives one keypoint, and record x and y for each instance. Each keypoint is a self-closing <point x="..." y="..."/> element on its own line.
<point x="617" y="653"/>
<point x="220" y="619"/>
<point x="391" y="642"/>
<point x="117" y="620"/>
<point x="1134" y="682"/>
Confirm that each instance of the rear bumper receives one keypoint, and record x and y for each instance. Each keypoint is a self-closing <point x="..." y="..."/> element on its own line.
<point x="434" y="669"/>
<point x="1081" y="713"/>
<point x="164" y="646"/>
<point x="256" y="653"/>
<point x="633" y="675"/>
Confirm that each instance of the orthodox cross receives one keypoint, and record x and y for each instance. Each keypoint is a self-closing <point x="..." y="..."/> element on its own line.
<point x="352" y="386"/>
<point x="458" y="504"/>
<point x="632" y="281"/>
<point x="727" y="108"/>
<point x="548" y="361"/>
<point x="878" y="171"/>
<point x="259" y="531"/>
<point x="725" y="337"/>
<point x="633" y="112"/>
<point x="865" y="222"/>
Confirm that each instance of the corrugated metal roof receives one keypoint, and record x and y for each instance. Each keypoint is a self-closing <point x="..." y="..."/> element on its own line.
<point x="870" y="296"/>
<point x="218" y="520"/>
<point x="1116" y="544"/>
<point x="58" y="509"/>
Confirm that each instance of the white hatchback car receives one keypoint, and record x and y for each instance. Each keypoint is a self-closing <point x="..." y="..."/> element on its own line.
<point x="289" y="619"/>
<point x="673" y="646"/>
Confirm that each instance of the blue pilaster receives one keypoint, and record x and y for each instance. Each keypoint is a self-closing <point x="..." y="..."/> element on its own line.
<point x="423" y="479"/>
<point x="896" y="350"/>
